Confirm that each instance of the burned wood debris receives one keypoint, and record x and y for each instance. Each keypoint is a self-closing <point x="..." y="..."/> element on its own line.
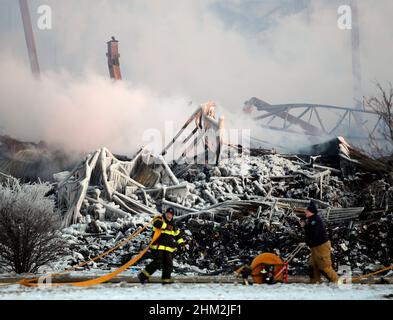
<point x="215" y="247"/>
<point x="230" y="212"/>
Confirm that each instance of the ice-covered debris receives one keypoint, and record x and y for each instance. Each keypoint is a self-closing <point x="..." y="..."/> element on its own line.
<point x="229" y="213"/>
<point x="344" y="247"/>
<point x="60" y="176"/>
<point x="77" y="255"/>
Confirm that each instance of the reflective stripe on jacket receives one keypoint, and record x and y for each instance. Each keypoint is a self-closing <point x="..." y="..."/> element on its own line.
<point x="170" y="236"/>
<point x="161" y="247"/>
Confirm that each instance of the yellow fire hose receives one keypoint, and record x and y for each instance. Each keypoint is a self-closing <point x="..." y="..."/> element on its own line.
<point x="33" y="281"/>
<point x="371" y="274"/>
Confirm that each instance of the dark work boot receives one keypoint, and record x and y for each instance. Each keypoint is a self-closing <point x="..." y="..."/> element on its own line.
<point x="143" y="278"/>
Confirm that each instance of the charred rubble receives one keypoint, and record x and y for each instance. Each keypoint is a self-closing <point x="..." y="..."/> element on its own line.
<point x="32" y="162"/>
<point x="229" y="213"/>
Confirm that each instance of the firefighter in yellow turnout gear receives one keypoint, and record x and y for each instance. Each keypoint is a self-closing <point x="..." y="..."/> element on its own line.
<point x="164" y="248"/>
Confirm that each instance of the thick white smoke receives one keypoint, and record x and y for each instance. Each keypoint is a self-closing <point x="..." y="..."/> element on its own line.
<point x="83" y="113"/>
<point x="186" y="48"/>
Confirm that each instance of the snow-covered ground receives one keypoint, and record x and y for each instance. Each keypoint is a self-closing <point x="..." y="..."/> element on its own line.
<point x="182" y="291"/>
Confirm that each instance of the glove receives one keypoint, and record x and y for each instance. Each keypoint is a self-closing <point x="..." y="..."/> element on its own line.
<point x="182" y="248"/>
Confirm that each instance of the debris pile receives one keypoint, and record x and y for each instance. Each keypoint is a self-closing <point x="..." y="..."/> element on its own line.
<point x="222" y="247"/>
<point x="219" y="248"/>
<point x="31" y="162"/>
<point x="267" y="177"/>
<point x="229" y="213"/>
<point x="365" y="246"/>
<point x="89" y="240"/>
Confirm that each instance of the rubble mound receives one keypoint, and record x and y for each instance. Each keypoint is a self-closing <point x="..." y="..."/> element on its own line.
<point x="32" y="162"/>
<point x="229" y="213"/>
<point x="364" y="246"/>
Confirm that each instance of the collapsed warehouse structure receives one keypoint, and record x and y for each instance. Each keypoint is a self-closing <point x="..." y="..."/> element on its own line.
<point x="233" y="209"/>
<point x="230" y="208"/>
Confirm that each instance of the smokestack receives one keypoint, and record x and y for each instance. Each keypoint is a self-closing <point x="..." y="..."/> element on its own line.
<point x="29" y="35"/>
<point x="113" y="59"/>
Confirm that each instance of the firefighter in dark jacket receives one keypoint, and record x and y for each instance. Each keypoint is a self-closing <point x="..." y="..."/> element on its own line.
<point x="320" y="246"/>
<point x="164" y="247"/>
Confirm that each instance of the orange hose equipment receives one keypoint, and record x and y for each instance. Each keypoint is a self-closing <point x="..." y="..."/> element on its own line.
<point x="102" y="279"/>
<point x="268" y="259"/>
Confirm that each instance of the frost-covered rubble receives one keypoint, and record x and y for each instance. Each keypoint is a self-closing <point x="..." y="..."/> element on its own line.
<point x="86" y="243"/>
<point x="267" y="176"/>
<point x="232" y="212"/>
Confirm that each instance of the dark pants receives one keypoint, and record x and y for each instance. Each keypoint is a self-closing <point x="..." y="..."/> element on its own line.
<point x="162" y="259"/>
